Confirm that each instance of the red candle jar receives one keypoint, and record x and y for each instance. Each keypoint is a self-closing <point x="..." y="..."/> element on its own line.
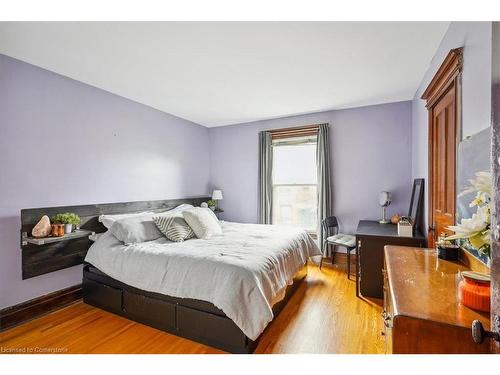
<point x="474" y="290"/>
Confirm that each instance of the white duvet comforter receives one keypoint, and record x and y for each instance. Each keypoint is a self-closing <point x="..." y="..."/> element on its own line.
<point x="243" y="272"/>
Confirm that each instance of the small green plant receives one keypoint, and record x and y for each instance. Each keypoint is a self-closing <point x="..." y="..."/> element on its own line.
<point x="66" y="218"/>
<point x="212" y="203"/>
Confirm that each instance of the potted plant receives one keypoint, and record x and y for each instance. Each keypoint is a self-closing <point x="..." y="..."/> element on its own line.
<point x="212" y="204"/>
<point x="69" y="220"/>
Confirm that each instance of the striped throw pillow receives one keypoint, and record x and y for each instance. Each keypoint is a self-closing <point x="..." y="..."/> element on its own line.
<point x="174" y="227"/>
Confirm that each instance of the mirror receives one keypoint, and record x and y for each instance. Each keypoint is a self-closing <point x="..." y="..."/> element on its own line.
<point x="415" y="211"/>
<point x="473" y="156"/>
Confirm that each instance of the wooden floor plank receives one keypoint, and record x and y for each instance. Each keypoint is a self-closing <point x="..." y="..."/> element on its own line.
<point x="323" y="316"/>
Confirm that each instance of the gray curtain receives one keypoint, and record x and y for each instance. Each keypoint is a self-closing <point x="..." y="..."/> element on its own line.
<point x="265" y="177"/>
<point x="324" y="179"/>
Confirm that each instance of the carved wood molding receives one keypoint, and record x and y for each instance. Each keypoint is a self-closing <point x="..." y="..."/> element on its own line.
<point x="446" y="74"/>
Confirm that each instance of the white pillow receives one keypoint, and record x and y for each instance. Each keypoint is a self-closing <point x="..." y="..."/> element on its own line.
<point x="96" y="236"/>
<point x="181" y="207"/>
<point x="136" y="229"/>
<point x="108" y="220"/>
<point x="202" y="221"/>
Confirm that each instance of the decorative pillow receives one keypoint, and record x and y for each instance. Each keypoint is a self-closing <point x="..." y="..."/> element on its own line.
<point x="174" y="227"/>
<point x="202" y="221"/>
<point x="108" y="220"/>
<point x="135" y="229"/>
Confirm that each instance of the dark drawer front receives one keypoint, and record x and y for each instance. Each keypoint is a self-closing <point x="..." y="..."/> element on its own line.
<point x="153" y="312"/>
<point x="371" y="261"/>
<point x="102" y="296"/>
<point x="212" y="329"/>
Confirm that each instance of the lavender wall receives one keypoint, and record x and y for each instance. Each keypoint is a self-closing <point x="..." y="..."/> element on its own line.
<point x="475" y="37"/>
<point x="112" y="149"/>
<point x="65" y="143"/>
<point x="370" y="148"/>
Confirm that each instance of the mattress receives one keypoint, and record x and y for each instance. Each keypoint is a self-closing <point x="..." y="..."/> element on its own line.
<point x="243" y="272"/>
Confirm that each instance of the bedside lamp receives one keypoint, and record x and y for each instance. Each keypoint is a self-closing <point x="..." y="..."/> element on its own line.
<point x="217" y="196"/>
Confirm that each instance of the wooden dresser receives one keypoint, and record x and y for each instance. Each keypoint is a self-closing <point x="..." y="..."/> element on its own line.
<point x="421" y="309"/>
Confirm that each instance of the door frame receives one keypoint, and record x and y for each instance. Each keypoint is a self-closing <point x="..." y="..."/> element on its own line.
<point x="448" y="76"/>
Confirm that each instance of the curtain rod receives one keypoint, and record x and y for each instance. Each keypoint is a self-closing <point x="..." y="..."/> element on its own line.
<point x="297" y="131"/>
<point x="294" y="128"/>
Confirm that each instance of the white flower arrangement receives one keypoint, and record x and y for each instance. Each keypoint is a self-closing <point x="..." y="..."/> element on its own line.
<point x="477" y="230"/>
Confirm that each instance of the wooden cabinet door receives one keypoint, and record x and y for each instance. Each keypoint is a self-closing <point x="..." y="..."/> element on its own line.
<point x="443" y="144"/>
<point x="444" y="104"/>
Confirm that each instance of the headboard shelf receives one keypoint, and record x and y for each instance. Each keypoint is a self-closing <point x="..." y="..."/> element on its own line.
<point x="46" y="240"/>
<point x="41" y="256"/>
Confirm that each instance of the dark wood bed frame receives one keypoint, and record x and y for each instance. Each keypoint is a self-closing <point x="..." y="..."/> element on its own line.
<point x="197" y="320"/>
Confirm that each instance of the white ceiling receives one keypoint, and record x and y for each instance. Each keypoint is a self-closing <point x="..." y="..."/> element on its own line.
<point x="220" y="73"/>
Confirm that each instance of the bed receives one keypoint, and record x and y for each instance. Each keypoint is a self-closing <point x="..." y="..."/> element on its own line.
<point x="223" y="291"/>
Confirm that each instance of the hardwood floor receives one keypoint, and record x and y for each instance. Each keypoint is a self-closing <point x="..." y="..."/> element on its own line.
<point x="324" y="316"/>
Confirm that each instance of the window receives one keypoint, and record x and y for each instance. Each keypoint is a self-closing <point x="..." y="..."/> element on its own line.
<point x="295" y="182"/>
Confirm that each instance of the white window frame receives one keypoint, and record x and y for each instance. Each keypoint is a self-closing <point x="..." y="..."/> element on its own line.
<point x="290" y="142"/>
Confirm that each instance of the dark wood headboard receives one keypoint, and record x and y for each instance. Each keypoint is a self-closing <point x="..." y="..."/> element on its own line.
<point x="41" y="259"/>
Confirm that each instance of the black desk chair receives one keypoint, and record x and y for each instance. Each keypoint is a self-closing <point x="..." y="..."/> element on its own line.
<point x="334" y="238"/>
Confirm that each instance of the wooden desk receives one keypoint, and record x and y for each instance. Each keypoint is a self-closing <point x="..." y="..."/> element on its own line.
<point x="371" y="237"/>
<point x="421" y="309"/>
